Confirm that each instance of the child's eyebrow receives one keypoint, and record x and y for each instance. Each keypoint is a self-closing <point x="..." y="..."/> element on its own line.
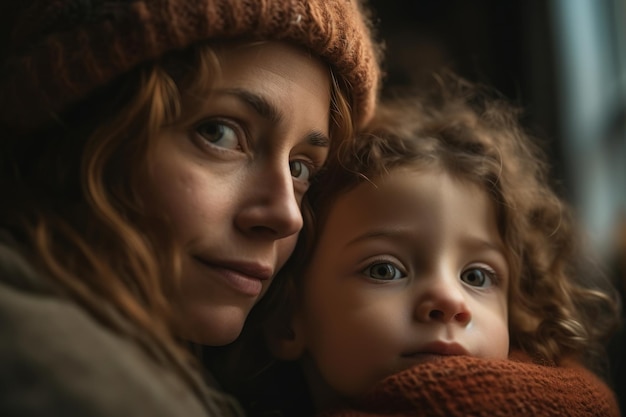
<point x="480" y="243"/>
<point x="470" y="242"/>
<point x="386" y="233"/>
<point x="486" y="245"/>
<point x="268" y="111"/>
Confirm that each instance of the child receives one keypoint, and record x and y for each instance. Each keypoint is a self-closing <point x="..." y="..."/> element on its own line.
<point x="154" y="157"/>
<point x="439" y="250"/>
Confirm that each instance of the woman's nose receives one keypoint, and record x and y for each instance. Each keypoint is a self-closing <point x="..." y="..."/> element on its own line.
<point x="271" y="209"/>
<point x="442" y="300"/>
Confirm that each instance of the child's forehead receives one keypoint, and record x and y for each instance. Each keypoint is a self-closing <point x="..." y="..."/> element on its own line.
<point x="412" y="206"/>
<point x="417" y="169"/>
<point x="403" y="184"/>
<point x="407" y="191"/>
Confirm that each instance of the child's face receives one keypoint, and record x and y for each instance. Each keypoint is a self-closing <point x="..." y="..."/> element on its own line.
<point x="231" y="179"/>
<point x="404" y="272"/>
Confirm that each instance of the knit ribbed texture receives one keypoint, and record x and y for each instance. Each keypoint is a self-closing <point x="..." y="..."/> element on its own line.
<point x="56" y="52"/>
<point x="465" y="386"/>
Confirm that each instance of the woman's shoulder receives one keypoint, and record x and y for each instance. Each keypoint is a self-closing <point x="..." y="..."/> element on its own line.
<point x="56" y="359"/>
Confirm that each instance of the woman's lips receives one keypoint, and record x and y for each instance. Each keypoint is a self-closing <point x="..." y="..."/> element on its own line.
<point x="244" y="277"/>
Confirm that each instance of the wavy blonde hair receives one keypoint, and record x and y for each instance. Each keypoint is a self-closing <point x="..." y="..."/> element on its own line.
<point x="75" y="211"/>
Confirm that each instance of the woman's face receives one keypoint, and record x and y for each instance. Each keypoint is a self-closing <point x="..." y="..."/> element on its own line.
<point x="230" y="178"/>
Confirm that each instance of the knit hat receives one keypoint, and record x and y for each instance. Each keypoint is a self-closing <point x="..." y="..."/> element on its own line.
<point x="56" y="52"/>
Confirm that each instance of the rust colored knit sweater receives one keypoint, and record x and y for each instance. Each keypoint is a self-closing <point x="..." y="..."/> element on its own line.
<point x="466" y="386"/>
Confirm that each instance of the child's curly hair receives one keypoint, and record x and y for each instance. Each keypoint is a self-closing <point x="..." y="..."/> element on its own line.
<point x="556" y="308"/>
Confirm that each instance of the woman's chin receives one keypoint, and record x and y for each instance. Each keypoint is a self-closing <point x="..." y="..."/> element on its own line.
<point x="215" y="328"/>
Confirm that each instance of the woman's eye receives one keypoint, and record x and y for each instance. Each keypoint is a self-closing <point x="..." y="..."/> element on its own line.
<point x="300" y="170"/>
<point x="477" y="277"/>
<point x="219" y="134"/>
<point x="383" y="271"/>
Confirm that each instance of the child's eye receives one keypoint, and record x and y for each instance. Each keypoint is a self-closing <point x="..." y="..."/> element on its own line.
<point x="218" y="134"/>
<point x="478" y="277"/>
<point x="383" y="271"/>
<point x="300" y="170"/>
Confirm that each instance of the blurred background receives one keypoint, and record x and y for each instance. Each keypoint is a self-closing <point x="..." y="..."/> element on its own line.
<point x="564" y="61"/>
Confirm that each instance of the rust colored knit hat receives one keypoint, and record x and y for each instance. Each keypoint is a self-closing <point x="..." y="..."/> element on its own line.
<point x="54" y="53"/>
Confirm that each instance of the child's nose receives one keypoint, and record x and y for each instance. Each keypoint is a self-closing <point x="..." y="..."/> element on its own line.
<point x="442" y="300"/>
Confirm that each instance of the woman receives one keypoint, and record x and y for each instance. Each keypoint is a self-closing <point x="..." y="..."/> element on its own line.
<point x="154" y="156"/>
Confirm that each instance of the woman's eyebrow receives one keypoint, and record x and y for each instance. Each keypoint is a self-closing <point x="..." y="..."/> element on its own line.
<point x="258" y="103"/>
<point x="268" y="111"/>
<point x="317" y="138"/>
